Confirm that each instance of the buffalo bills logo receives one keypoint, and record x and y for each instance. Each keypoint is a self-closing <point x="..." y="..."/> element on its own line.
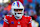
<point x="13" y="4"/>
<point x="12" y="22"/>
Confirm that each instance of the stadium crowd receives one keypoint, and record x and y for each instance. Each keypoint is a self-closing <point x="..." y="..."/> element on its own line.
<point x="32" y="8"/>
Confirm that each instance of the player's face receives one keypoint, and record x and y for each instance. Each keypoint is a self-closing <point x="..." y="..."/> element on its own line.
<point x="18" y="10"/>
<point x="18" y="13"/>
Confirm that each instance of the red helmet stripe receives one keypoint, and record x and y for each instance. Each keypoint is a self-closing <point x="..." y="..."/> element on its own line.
<point x="18" y="4"/>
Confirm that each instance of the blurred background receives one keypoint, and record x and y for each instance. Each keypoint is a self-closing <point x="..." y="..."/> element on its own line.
<point x="32" y="8"/>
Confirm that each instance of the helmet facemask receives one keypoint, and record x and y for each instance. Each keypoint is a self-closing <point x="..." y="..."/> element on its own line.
<point x="18" y="13"/>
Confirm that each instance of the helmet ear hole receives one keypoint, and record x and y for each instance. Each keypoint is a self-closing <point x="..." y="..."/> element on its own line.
<point x="15" y="13"/>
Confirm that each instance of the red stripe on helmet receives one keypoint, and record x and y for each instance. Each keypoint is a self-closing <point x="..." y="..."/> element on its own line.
<point x="18" y="4"/>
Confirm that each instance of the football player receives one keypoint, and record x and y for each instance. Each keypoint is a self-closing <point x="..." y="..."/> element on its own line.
<point x="17" y="19"/>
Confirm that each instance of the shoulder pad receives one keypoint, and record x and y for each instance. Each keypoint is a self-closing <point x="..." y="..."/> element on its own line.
<point x="6" y="20"/>
<point x="29" y="18"/>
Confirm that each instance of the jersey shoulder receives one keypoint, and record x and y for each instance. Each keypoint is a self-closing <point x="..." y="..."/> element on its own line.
<point x="29" y="18"/>
<point x="6" y="18"/>
<point x="8" y="15"/>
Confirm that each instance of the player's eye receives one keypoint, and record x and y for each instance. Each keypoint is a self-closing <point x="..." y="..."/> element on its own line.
<point x="18" y="9"/>
<point x="15" y="10"/>
<point x="19" y="13"/>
